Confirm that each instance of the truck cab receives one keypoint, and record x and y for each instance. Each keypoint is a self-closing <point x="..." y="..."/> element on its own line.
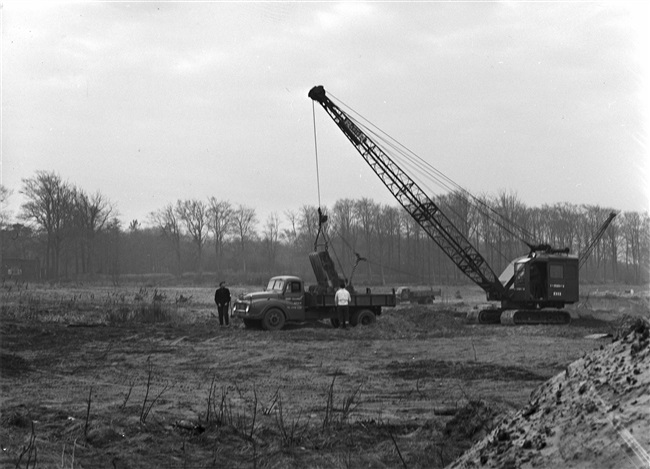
<point x="282" y="300"/>
<point x="543" y="280"/>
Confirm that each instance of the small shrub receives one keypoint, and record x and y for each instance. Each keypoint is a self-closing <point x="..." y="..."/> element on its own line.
<point x="156" y="311"/>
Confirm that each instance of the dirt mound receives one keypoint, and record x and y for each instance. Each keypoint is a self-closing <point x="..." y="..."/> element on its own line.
<point x="595" y="414"/>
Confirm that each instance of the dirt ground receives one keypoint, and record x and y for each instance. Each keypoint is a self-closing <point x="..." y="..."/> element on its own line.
<point x="145" y="378"/>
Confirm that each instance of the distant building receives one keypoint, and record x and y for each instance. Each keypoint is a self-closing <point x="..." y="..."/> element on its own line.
<point x="20" y="269"/>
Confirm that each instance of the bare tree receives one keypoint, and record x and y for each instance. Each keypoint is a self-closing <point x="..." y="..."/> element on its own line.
<point x="307" y="227"/>
<point x="487" y="230"/>
<point x="561" y="226"/>
<point x="407" y="225"/>
<point x="271" y="240"/>
<point x="221" y="224"/>
<point x="636" y="238"/>
<point x="387" y="222"/>
<point x="49" y="204"/>
<point x="114" y="230"/>
<point x="168" y="223"/>
<point x="5" y="214"/>
<point x="513" y="220"/>
<point x="290" y="235"/>
<point x="91" y="215"/>
<point x="195" y="216"/>
<point x="592" y="218"/>
<point x="244" y="219"/>
<point x="366" y="212"/>
<point x="344" y="223"/>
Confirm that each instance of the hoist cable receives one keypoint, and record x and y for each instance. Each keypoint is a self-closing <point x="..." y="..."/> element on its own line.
<point x="325" y="237"/>
<point x="313" y="113"/>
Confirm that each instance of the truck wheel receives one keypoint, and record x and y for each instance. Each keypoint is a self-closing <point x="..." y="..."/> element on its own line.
<point x="365" y="317"/>
<point x="273" y="320"/>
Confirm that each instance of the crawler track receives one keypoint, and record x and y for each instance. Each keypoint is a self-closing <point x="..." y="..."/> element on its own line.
<point x="535" y="316"/>
<point x="519" y="317"/>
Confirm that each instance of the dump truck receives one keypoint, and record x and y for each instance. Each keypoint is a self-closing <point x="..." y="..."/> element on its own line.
<point x="286" y="299"/>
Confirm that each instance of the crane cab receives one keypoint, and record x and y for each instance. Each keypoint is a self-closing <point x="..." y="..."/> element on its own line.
<point x="543" y="280"/>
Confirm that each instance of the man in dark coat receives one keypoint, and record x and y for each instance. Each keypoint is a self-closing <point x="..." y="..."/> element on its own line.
<point x="222" y="299"/>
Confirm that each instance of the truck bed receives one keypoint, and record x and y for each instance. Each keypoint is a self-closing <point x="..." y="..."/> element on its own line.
<point x="358" y="300"/>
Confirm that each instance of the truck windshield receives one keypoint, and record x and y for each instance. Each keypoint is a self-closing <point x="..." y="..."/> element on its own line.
<point x="275" y="284"/>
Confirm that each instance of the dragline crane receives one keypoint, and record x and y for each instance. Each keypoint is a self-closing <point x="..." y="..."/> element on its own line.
<point x="533" y="289"/>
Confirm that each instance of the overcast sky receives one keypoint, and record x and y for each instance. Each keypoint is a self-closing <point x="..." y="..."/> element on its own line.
<point x="151" y="102"/>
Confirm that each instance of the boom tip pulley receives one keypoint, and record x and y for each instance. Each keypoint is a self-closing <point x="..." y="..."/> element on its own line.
<point x="317" y="93"/>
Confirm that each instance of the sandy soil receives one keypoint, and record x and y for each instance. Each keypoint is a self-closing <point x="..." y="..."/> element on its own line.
<point x="102" y="379"/>
<point x="595" y="414"/>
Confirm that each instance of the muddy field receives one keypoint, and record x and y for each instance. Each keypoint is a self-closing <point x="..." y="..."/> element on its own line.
<point x="146" y="378"/>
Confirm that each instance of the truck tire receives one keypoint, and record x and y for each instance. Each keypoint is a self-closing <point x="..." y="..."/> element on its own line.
<point x="273" y="320"/>
<point x="365" y="317"/>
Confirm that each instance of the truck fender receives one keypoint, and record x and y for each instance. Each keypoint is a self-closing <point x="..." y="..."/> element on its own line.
<point x="274" y="305"/>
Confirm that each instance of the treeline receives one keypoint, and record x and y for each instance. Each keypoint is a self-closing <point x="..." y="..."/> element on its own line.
<point x="77" y="235"/>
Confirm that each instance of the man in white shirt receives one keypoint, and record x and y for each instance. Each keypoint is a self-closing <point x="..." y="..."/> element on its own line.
<point x="342" y="300"/>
